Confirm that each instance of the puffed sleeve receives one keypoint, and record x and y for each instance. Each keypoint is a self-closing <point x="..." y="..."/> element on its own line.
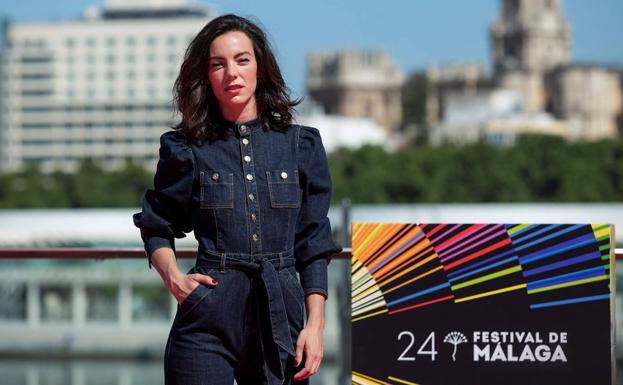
<point x="165" y="213"/>
<point x="313" y="243"/>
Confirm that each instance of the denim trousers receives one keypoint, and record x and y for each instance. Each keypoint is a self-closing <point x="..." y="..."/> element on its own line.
<point x="244" y="328"/>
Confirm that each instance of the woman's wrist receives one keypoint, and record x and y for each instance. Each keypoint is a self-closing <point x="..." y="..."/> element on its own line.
<point x="315" y="323"/>
<point x="315" y="311"/>
<point x="163" y="259"/>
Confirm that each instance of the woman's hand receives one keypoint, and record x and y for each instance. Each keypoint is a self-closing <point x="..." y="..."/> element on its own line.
<point x="310" y="340"/>
<point x="180" y="285"/>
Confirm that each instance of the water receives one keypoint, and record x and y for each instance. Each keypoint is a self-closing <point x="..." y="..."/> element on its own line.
<point x="104" y="372"/>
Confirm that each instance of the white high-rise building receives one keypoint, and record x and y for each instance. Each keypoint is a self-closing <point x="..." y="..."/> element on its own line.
<point x="99" y="86"/>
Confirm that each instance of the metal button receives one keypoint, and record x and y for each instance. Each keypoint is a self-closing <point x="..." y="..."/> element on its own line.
<point x="284" y="175"/>
<point x="251" y="197"/>
<point x="215" y="176"/>
<point x="253" y="217"/>
<point x="255" y="237"/>
<point x="245" y="141"/>
<point x="243" y="129"/>
<point x="249" y="177"/>
<point x="247" y="158"/>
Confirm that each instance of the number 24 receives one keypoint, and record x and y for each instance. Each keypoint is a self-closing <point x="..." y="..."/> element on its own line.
<point x="430" y="340"/>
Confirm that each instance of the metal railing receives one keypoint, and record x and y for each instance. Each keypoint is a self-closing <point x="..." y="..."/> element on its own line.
<point x="188" y="253"/>
<point x="128" y="253"/>
<point x="104" y="253"/>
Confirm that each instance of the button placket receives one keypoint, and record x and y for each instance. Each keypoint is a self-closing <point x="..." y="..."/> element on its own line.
<point x="248" y="170"/>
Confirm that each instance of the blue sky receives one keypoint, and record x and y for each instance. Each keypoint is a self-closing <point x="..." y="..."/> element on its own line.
<point x="416" y="33"/>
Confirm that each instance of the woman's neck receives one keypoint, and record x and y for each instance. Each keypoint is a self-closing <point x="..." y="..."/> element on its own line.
<point x="244" y="113"/>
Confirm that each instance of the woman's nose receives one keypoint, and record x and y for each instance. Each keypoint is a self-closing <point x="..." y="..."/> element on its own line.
<point x="231" y="71"/>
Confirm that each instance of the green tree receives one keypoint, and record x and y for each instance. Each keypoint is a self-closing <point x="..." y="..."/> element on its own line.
<point x="414" y="99"/>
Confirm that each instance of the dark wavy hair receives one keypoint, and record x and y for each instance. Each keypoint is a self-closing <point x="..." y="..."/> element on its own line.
<point x="201" y="115"/>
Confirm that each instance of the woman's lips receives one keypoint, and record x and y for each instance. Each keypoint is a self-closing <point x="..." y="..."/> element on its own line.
<point x="233" y="89"/>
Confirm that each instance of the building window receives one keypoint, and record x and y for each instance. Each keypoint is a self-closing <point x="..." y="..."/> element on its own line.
<point x="12" y="301"/>
<point x="102" y="303"/>
<point x="150" y="303"/>
<point x="55" y="303"/>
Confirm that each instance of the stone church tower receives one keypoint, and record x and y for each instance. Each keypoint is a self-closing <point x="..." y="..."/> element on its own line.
<point x="357" y="84"/>
<point x="530" y="38"/>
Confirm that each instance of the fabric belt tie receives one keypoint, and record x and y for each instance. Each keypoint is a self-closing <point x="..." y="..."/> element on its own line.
<point x="272" y="295"/>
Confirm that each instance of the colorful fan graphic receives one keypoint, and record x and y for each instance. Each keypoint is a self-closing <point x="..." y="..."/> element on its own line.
<point x="481" y="286"/>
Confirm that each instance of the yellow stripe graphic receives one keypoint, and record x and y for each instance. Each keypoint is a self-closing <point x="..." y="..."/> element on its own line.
<point x="568" y="284"/>
<point x="369" y="315"/>
<point x="489" y="293"/>
<point x="487" y="277"/>
<point x="401" y="381"/>
<point x="515" y="229"/>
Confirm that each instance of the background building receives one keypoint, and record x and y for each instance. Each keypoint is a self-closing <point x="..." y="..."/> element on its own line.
<point x="529" y="38"/>
<point x="341" y="131"/>
<point x="358" y="84"/>
<point x="98" y="87"/>
<point x="589" y="97"/>
<point x="531" y="58"/>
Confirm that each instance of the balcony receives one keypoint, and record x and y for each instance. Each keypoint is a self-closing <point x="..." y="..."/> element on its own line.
<point x="63" y="308"/>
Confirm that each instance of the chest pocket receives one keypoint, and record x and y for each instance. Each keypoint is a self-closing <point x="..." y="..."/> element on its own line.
<point x="216" y="189"/>
<point x="283" y="187"/>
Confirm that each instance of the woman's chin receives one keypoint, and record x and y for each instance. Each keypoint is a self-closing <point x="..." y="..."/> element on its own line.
<point x="236" y="101"/>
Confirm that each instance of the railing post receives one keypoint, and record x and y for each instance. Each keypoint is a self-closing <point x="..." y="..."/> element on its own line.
<point x="33" y="314"/>
<point x="346" y="206"/>
<point x="125" y="304"/>
<point x="79" y="304"/>
<point x="344" y="298"/>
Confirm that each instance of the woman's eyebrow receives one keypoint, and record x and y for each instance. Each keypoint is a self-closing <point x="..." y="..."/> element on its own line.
<point x="236" y="56"/>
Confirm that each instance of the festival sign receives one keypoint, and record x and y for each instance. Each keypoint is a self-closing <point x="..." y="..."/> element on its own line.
<point x="525" y="304"/>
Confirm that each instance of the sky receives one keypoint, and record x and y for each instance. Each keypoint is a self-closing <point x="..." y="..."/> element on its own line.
<point x="415" y="33"/>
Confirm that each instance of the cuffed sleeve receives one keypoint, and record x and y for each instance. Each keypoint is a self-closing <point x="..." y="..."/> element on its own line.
<point x="313" y="244"/>
<point x="314" y="277"/>
<point x="165" y="213"/>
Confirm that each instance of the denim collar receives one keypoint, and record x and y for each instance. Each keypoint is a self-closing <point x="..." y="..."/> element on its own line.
<point x="245" y="128"/>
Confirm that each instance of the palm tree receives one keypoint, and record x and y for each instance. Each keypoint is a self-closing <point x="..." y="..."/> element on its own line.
<point x="455" y="338"/>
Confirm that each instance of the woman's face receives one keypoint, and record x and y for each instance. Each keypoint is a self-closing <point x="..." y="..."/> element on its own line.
<point x="232" y="73"/>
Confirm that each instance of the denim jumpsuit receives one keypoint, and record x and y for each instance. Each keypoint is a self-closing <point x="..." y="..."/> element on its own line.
<point x="257" y="202"/>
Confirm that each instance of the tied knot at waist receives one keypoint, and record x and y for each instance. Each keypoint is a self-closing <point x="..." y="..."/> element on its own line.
<point x="264" y="266"/>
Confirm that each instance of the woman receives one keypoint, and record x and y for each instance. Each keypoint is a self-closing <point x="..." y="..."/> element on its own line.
<point x="255" y="189"/>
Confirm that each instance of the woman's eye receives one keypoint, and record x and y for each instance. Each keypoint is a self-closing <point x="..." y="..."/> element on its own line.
<point x="244" y="61"/>
<point x="216" y="65"/>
